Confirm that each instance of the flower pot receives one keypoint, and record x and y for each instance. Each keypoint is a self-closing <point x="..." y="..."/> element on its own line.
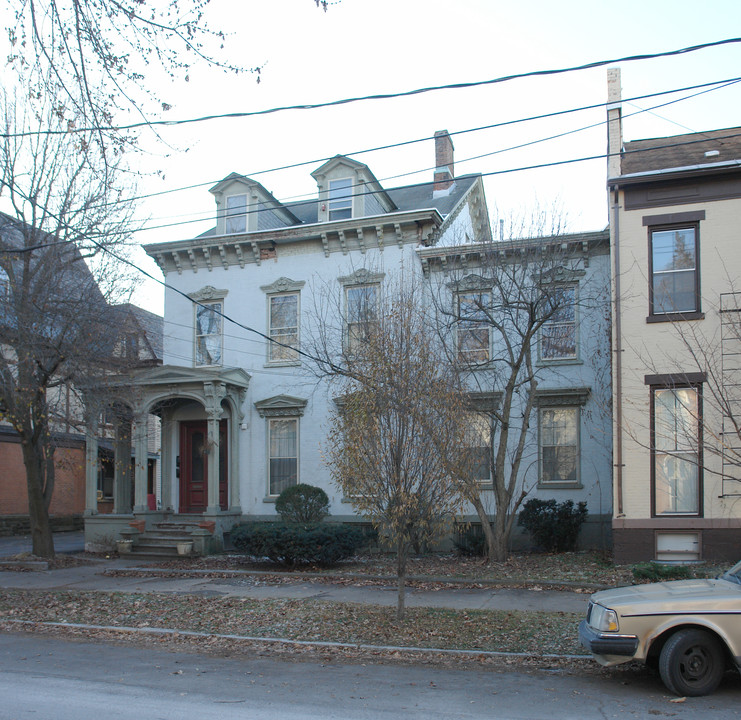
<point x="124" y="546"/>
<point x="185" y="548"/>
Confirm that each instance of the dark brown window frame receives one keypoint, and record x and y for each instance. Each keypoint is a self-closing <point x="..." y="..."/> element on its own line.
<point x="670" y="382"/>
<point x="662" y="223"/>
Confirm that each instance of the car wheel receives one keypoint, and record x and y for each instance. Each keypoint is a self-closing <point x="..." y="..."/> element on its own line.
<point x="692" y="663"/>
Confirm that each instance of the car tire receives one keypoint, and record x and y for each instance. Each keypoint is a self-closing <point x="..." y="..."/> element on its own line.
<point x="692" y="663"/>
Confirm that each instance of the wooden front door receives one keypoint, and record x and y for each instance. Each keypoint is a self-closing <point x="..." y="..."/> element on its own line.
<point x="194" y="466"/>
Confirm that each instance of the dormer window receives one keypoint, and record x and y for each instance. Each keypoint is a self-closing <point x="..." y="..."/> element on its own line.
<point x="340" y="199"/>
<point x="236" y="214"/>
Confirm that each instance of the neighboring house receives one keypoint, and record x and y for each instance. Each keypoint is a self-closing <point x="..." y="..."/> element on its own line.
<point x="128" y="327"/>
<point x="242" y="416"/>
<point x="675" y="204"/>
<point x="567" y="452"/>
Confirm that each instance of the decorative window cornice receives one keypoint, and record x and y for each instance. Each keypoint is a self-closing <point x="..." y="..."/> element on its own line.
<point x="283" y="285"/>
<point x="470" y="283"/>
<point x="484" y="401"/>
<point x="561" y="276"/>
<point x="281" y="406"/>
<point x="562" y="397"/>
<point x="208" y="293"/>
<point x="361" y="277"/>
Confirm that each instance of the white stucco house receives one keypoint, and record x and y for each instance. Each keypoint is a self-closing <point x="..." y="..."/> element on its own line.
<point x="242" y="418"/>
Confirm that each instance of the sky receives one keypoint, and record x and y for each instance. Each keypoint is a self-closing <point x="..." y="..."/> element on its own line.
<point x="359" y="47"/>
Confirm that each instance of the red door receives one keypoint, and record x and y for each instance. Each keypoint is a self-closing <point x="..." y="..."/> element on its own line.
<point x="194" y="466"/>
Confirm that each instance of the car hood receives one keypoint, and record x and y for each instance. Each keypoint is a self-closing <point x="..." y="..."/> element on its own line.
<point x="677" y="596"/>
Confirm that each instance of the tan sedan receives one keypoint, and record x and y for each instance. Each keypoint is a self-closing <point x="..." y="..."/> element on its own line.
<point x="690" y="629"/>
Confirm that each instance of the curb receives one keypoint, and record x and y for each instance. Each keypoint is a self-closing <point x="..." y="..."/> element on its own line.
<point x="283" y="641"/>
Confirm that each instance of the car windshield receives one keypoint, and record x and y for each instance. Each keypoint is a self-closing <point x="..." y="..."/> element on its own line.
<point x="734" y="574"/>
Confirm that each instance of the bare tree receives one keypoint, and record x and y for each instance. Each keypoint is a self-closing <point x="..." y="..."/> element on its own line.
<point x="396" y="443"/>
<point x="97" y="56"/>
<point x="55" y="275"/>
<point x="503" y="306"/>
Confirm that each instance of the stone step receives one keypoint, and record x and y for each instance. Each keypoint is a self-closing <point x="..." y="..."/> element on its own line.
<point x="168" y="541"/>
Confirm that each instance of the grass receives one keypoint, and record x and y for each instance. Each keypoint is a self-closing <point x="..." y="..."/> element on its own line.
<point x="517" y="632"/>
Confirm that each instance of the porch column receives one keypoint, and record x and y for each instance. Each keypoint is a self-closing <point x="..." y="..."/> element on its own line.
<point x="167" y="452"/>
<point x="91" y="463"/>
<point x="214" y="416"/>
<point x="140" y="462"/>
<point x="233" y="462"/>
<point x="122" y="466"/>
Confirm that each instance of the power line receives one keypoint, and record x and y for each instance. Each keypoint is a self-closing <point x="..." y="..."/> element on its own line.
<point x="383" y="96"/>
<point x="711" y="85"/>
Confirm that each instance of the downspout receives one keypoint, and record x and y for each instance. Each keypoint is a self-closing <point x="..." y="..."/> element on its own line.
<point x="618" y="350"/>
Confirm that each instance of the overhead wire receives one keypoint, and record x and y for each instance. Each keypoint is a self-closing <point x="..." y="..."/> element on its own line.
<point x="386" y="96"/>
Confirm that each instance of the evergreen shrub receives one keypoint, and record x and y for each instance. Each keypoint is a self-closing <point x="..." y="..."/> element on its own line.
<point x="553" y="526"/>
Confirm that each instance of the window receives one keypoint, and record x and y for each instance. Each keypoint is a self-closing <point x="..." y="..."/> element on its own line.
<point x="283" y="319"/>
<point x="559" y="445"/>
<point x="674" y="277"/>
<point x="478" y="439"/>
<point x="473" y="327"/>
<point x="340" y="199"/>
<point x="4" y="284"/>
<point x="208" y="334"/>
<point x="236" y="214"/>
<point x="558" y="332"/>
<point x="361" y="308"/>
<point x="676" y="450"/>
<point x="283" y="448"/>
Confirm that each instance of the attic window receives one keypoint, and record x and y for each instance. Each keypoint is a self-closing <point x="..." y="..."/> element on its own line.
<point x="236" y="214"/>
<point x="340" y="199"/>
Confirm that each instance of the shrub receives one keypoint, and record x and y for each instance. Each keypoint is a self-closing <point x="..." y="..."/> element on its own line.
<point x="553" y="526"/>
<point x="302" y="504"/>
<point x="293" y="544"/>
<point x="656" y="572"/>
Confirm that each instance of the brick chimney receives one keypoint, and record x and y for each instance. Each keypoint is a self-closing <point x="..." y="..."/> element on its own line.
<point x="444" y="172"/>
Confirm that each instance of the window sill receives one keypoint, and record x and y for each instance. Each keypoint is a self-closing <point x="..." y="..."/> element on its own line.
<point x="564" y="361"/>
<point x="675" y="317"/>
<point x="560" y="486"/>
<point x="270" y="499"/>
<point x="282" y="363"/>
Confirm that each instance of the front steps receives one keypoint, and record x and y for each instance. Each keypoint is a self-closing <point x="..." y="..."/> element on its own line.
<point x="161" y="541"/>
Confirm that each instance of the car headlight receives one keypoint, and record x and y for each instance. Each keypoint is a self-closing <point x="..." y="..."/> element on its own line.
<point x="603" y="619"/>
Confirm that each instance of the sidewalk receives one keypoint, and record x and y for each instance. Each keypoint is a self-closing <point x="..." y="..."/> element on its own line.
<point x="64" y="543"/>
<point x="91" y="577"/>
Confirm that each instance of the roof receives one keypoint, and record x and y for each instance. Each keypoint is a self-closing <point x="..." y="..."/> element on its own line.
<point x="149" y="323"/>
<point x="407" y="197"/>
<point x="681" y="151"/>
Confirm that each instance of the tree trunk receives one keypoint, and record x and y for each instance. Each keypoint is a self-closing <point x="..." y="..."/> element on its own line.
<point x="38" y="509"/>
<point x="500" y="549"/>
<point x="402" y="549"/>
<point x="485" y="526"/>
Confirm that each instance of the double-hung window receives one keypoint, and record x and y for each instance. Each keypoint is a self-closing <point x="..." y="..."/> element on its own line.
<point x="674" y="285"/>
<point x="478" y="440"/>
<point x="4" y="284"/>
<point x="208" y="333"/>
<point x="559" y="445"/>
<point x="558" y="332"/>
<point x="473" y="341"/>
<point x="340" y="199"/>
<point x="283" y="330"/>
<point x="361" y="312"/>
<point x="283" y="451"/>
<point x="676" y="443"/>
<point x="236" y="214"/>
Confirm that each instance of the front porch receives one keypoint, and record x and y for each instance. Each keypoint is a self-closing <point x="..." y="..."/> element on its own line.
<point x="199" y="413"/>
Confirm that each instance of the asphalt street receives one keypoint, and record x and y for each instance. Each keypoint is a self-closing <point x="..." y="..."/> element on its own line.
<point x="47" y="677"/>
